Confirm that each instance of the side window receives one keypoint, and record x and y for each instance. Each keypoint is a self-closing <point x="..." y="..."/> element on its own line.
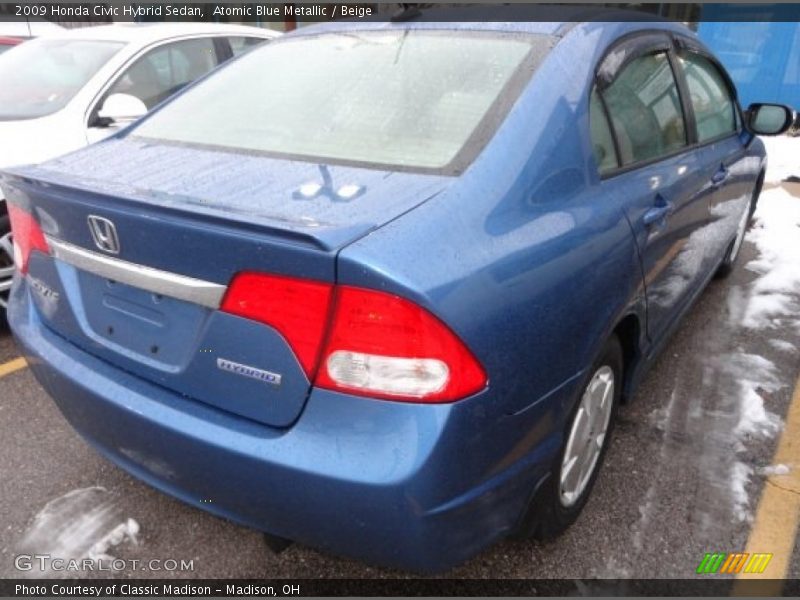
<point x="166" y="69"/>
<point x="240" y="45"/>
<point x="711" y="99"/>
<point x="645" y="109"/>
<point x="602" y="140"/>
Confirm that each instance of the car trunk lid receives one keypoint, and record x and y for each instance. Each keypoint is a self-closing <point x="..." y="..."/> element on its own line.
<point x="185" y="222"/>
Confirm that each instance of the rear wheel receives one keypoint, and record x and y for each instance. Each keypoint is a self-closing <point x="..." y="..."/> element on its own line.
<point x="726" y="268"/>
<point x="756" y="195"/>
<point x="561" y="499"/>
<point x="6" y="264"/>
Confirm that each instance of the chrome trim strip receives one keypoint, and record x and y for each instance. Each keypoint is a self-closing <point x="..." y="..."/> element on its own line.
<point x="201" y="292"/>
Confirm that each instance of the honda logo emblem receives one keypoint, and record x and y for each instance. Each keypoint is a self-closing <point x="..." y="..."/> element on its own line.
<point x="104" y="234"/>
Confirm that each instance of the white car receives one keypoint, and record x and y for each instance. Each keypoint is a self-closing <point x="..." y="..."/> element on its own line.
<point x="71" y="88"/>
<point x="29" y="28"/>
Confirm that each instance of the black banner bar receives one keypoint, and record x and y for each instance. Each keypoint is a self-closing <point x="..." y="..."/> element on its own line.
<point x="255" y="588"/>
<point x="308" y="12"/>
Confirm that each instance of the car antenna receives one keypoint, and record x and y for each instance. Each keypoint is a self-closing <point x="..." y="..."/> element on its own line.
<point x="408" y="12"/>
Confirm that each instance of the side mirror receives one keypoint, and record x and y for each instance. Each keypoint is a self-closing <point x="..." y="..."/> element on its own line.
<point x="121" y="109"/>
<point x="769" y="119"/>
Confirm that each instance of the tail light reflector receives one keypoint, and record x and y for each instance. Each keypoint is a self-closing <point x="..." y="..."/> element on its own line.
<point x="385" y="346"/>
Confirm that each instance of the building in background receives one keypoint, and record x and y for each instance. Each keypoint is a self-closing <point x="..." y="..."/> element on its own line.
<point x="759" y="47"/>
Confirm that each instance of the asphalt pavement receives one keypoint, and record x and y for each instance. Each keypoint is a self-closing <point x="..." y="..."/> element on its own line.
<point x="683" y="476"/>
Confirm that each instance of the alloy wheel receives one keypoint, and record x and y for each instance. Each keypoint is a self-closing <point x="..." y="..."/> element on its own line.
<point x="587" y="436"/>
<point x="6" y="268"/>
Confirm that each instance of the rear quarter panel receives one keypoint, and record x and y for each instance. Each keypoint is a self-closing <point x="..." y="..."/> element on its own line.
<point x="523" y="256"/>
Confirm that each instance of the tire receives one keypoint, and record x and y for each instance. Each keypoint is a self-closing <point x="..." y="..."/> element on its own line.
<point x="756" y="195"/>
<point x="6" y="261"/>
<point x="554" y="508"/>
<point x="735" y="247"/>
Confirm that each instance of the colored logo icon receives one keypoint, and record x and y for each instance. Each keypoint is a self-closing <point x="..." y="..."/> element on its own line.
<point x="722" y="563"/>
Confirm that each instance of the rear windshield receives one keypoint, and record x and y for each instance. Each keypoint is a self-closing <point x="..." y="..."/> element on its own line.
<point x="424" y="100"/>
<point x="42" y="76"/>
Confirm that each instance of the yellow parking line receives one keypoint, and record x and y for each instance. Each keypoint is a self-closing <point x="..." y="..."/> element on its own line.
<point x="776" y="524"/>
<point x="12" y="366"/>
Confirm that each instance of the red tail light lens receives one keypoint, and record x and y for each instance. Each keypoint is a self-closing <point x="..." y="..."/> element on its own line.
<point x="384" y="346"/>
<point x="377" y="344"/>
<point x="27" y="236"/>
<point x="296" y="308"/>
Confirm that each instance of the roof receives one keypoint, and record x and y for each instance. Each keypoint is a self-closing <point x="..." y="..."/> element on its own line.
<point x="152" y="32"/>
<point x="26" y="29"/>
<point x="542" y="19"/>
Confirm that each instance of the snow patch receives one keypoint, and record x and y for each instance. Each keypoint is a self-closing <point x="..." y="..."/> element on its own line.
<point x="754" y="419"/>
<point x="127" y="530"/>
<point x="780" y="469"/>
<point x="776" y="235"/>
<point x="754" y="375"/>
<point x="751" y="377"/>
<point x="82" y="524"/>
<point x="783" y="346"/>
<point x="782" y="161"/>
<point x="740" y="477"/>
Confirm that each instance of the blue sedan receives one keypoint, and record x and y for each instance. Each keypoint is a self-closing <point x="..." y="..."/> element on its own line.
<point x="379" y="288"/>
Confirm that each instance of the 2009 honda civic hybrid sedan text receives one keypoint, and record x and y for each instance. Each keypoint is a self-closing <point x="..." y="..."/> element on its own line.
<point x="378" y="288"/>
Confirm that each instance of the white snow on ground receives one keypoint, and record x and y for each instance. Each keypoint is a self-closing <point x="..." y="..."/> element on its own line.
<point x="776" y="234"/>
<point x="740" y="477"/>
<point x="783" y="158"/>
<point x="754" y="376"/>
<point x="771" y="304"/>
<point x="754" y="419"/>
<point x="774" y="470"/>
<point x="783" y="346"/>
<point x="81" y="524"/>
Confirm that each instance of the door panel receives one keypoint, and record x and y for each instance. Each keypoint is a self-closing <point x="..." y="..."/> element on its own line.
<point x="663" y="186"/>
<point x="729" y="178"/>
<point x="721" y="154"/>
<point x="667" y="206"/>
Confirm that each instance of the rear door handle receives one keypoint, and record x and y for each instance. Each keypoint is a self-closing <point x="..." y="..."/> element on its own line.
<point x="720" y="176"/>
<point x="658" y="213"/>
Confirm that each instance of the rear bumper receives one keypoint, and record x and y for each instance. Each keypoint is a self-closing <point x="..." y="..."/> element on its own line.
<point x="410" y="486"/>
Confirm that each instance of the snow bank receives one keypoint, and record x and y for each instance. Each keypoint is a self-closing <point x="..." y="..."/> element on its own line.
<point x="776" y="234"/>
<point x="783" y="157"/>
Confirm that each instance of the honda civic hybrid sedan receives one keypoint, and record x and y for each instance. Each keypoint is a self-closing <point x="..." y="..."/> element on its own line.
<point x="379" y="288"/>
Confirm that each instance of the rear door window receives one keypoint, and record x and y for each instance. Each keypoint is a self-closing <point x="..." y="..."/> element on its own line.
<point x="165" y="70"/>
<point x="645" y="110"/>
<point x="602" y="139"/>
<point x="241" y="44"/>
<point x="713" y="105"/>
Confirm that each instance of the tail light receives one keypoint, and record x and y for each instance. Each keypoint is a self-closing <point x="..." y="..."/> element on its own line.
<point x="386" y="346"/>
<point x="27" y="236"/>
<point x="296" y="308"/>
<point x="361" y="341"/>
